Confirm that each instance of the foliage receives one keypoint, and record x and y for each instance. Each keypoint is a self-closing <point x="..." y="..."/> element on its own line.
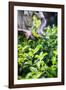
<point x="38" y="58"/>
<point x="36" y="24"/>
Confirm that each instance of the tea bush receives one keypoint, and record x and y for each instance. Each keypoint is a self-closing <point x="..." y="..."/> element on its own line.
<point x="38" y="58"/>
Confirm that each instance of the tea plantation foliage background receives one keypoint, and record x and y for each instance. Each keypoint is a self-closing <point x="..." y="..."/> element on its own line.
<point x="38" y="58"/>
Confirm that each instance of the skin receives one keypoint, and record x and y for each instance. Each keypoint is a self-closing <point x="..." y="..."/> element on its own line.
<point x="25" y="23"/>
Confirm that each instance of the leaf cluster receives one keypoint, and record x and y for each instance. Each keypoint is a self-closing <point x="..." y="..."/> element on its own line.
<point x="38" y="58"/>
